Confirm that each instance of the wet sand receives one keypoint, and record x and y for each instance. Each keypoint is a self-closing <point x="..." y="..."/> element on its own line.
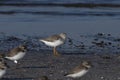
<point x="37" y="64"/>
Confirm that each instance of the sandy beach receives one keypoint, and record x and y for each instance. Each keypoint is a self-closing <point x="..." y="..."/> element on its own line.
<point x="37" y="64"/>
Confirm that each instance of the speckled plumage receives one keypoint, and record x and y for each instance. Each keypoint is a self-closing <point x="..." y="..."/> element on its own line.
<point x="16" y="53"/>
<point x="3" y="68"/>
<point x="54" y="41"/>
<point x="79" y="70"/>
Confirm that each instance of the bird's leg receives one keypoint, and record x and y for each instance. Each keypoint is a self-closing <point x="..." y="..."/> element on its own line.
<point x="15" y="61"/>
<point x="17" y="64"/>
<point x="56" y="52"/>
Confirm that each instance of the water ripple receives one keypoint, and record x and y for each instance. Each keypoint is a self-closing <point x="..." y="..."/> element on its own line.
<point x="81" y="5"/>
<point x="57" y="13"/>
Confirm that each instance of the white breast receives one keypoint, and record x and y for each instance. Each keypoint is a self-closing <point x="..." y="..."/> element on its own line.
<point x="17" y="56"/>
<point x="78" y="74"/>
<point x="2" y="72"/>
<point x="53" y="44"/>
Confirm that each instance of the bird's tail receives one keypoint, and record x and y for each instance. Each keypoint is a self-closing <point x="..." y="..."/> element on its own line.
<point x="42" y="40"/>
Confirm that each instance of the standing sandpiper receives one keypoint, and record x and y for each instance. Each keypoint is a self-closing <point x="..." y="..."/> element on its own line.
<point x="54" y="41"/>
<point x="80" y="70"/>
<point x="16" y="53"/>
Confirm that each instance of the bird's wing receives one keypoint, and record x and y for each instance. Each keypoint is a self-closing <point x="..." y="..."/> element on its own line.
<point x="77" y="69"/>
<point x="52" y="38"/>
<point x="13" y="52"/>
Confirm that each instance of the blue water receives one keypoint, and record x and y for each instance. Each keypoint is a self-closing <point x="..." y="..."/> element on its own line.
<point x="29" y="20"/>
<point x="60" y="8"/>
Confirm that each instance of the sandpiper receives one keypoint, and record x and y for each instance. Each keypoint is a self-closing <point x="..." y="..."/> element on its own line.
<point x="80" y="70"/>
<point x="16" y="53"/>
<point x="3" y="68"/>
<point x="54" y="41"/>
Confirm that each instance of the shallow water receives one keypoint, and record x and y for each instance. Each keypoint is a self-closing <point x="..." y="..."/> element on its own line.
<point x="53" y="9"/>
